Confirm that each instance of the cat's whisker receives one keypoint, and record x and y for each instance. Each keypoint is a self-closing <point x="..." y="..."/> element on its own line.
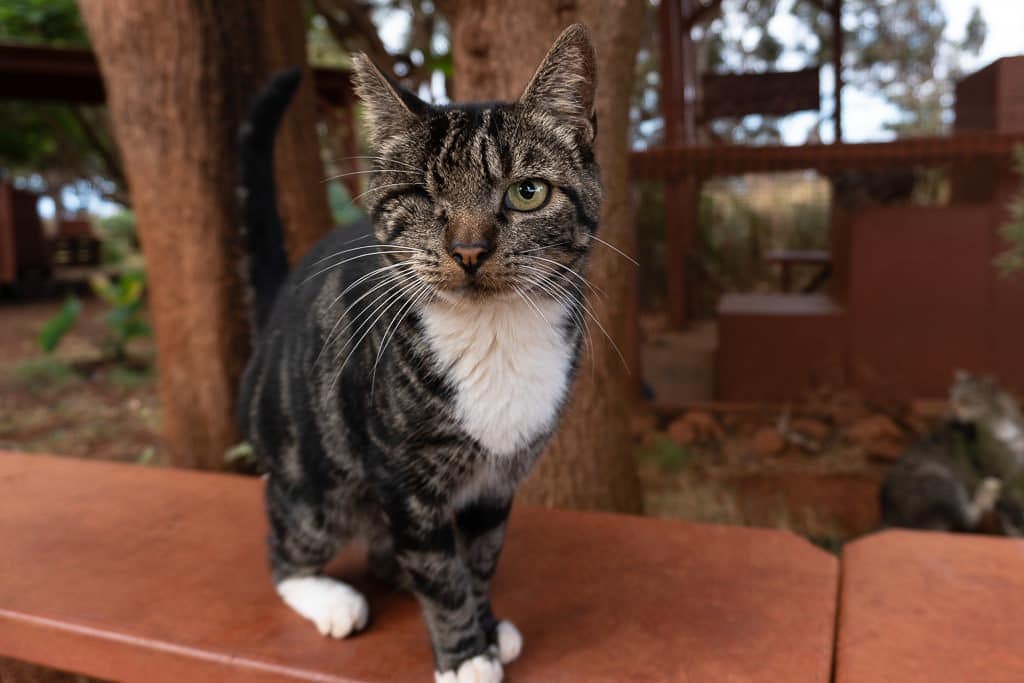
<point x="397" y="279"/>
<point x="546" y="246"/>
<point x="594" y="288"/>
<point x="417" y="296"/>
<point x="370" y="324"/>
<point x="383" y="159"/>
<point x="592" y="316"/>
<point x="367" y="172"/>
<point x="616" y="250"/>
<point x="354" y="258"/>
<point x="357" y="239"/>
<point x="574" y="306"/>
<point x="378" y="189"/>
<point x="387" y="278"/>
<point x="365" y="247"/>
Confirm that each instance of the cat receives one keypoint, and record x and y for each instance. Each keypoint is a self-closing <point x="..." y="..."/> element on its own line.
<point x="407" y="375"/>
<point x="970" y="468"/>
<point x="980" y="401"/>
<point x="928" y="488"/>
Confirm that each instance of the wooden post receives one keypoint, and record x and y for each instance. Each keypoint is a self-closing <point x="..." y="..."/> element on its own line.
<point x="837" y="65"/>
<point x="673" y="106"/>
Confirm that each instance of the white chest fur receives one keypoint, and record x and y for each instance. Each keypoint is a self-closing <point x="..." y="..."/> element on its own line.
<point x="509" y="366"/>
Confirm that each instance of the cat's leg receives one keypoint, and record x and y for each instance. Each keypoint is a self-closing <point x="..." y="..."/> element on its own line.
<point x="425" y="546"/>
<point x="301" y="542"/>
<point x="481" y="527"/>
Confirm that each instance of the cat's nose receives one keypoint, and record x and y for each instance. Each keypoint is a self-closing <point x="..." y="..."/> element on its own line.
<point x="470" y="256"/>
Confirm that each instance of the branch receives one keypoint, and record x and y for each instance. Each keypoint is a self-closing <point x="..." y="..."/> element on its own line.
<point x="111" y="162"/>
<point x="360" y="25"/>
<point x="698" y="15"/>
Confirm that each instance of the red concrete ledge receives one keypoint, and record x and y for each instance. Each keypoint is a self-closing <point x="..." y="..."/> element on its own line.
<point x="931" y="607"/>
<point x="134" y="573"/>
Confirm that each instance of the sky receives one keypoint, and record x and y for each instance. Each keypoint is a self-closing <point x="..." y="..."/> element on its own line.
<point x="864" y="115"/>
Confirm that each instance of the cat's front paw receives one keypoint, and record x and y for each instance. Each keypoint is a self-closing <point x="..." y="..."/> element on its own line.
<point x="334" y="607"/>
<point x="480" y="669"/>
<point x="510" y="641"/>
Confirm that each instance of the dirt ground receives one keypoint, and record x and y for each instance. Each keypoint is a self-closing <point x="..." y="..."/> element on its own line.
<point x="69" y="403"/>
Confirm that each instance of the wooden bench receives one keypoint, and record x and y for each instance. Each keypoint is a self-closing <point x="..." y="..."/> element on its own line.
<point x="131" y="573"/>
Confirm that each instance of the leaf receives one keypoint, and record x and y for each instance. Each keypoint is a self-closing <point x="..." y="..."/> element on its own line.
<point x="239" y="452"/>
<point x="59" y="325"/>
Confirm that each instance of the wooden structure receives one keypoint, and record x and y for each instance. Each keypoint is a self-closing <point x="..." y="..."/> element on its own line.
<point x="133" y="573"/>
<point x="915" y="293"/>
<point x="23" y="247"/>
<point x="683" y="105"/>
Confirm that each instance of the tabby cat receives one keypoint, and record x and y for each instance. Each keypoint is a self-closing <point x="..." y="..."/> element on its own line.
<point x="407" y="375"/>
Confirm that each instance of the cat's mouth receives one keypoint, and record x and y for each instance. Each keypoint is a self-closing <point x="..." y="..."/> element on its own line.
<point x="476" y="287"/>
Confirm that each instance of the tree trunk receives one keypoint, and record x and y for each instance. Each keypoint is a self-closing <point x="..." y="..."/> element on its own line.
<point x="180" y="76"/>
<point x="496" y="47"/>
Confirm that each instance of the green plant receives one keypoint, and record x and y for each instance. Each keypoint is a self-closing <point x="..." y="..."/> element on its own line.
<point x="120" y="243"/>
<point x="59" y="325"/>
<point x="667" y="453"/>
<point x="124" y="320"/>
<point x="1012" y="260"/>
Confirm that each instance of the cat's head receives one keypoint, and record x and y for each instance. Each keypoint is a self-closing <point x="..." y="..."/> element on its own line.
<point x="495" y="199"/>
<point x="973" y="397"/>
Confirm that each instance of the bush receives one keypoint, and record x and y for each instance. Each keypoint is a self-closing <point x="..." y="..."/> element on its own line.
<point x="1012" y="259"/>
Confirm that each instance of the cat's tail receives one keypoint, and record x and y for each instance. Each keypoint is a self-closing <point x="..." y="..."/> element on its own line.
<point x="264" y="234"/>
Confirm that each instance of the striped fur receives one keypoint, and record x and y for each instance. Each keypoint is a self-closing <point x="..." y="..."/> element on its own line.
<point x="396" y="397"/>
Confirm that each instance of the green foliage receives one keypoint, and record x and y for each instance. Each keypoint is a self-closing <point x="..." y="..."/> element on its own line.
<point x="1012" y="260"/>
<point x="120" y="243"/>
<point x="124" y="320"/>
<point x="59" y="325"/>
<point x="125" y="298"/>
<point x="51" y="145"/>
<point x="42" y="372"/>
<point x="667" y="453"/>
<point x="46" y="22"/>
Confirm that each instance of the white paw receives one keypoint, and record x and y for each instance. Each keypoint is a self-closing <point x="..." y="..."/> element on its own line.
<point x="480" y="669"/>
<point x="510" y="642"/>
<point x="988" y="493"/>
<point x="336" y="608"/>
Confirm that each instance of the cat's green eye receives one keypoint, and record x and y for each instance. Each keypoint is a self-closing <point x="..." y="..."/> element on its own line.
<point x="527" y="195"/>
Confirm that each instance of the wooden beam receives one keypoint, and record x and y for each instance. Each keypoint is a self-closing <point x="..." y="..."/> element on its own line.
<point x="72" y="75"/>
<point x="712" y="160"/>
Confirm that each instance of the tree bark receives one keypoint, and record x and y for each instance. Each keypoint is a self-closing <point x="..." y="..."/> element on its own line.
<point x="496" y="47"/>
<point x="180" y="76"/>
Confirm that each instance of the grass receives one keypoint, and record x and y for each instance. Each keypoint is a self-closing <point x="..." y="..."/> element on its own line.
<point x="667" y="454"/>
<point x="42" y="372"/>
<point x="129" y="377"/>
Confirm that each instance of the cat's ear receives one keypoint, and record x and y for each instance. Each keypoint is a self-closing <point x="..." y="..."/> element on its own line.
<point x="566" y="80"/>
<point x="390" y="108"/>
